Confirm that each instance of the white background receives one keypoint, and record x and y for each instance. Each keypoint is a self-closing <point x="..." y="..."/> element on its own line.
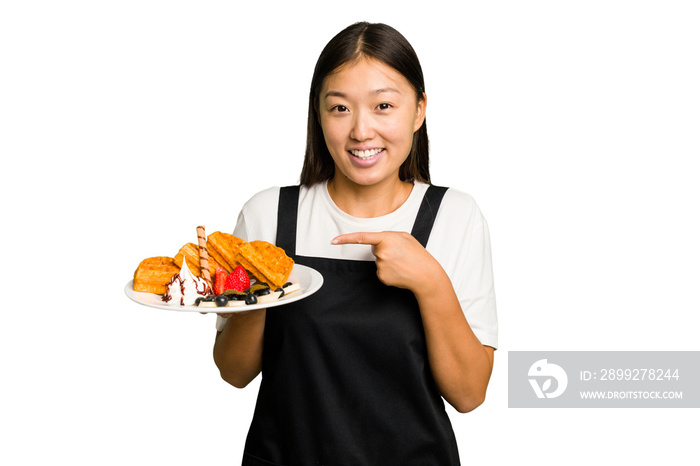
<point x="124" y="125"/>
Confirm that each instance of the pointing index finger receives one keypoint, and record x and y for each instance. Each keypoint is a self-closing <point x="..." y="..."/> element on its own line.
<point x="358" y="238"/>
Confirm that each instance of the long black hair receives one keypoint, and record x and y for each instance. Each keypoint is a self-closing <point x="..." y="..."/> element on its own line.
<point x="385" y="44"/>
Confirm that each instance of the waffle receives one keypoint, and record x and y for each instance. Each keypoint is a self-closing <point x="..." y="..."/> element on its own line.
<point x="223" y="247"/>
<point x="154" y="273"/>
<point x="190" y="252"/>
<point x="266" y="262"/>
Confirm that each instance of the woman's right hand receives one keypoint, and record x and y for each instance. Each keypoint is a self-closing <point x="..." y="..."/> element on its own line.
<point x="238" y="347"/>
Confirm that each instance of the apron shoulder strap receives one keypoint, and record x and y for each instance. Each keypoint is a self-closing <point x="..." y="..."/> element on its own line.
<point x="427" y="212"/>
<point x="287" y="219"/>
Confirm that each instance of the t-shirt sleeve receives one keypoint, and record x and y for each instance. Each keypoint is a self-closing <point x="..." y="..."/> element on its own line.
<point x="257" y="220"/>
<point x="477" y="294"/>
<point x="241" y="230"/>
<point x="461" y="242"/>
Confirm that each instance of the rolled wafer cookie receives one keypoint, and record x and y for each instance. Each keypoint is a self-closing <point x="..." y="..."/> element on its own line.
<point x="203" y="256"/>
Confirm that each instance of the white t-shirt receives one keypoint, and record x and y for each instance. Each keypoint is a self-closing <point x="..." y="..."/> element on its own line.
<point x="459" y="241"/>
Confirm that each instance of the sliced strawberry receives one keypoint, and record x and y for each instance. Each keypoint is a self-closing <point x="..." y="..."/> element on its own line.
<point x="220" y="280"/>
<point x="237" y="280"/>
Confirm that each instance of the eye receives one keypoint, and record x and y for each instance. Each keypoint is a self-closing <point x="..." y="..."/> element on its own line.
<point x="384" y="106"/>
<point x="339" y="108"/>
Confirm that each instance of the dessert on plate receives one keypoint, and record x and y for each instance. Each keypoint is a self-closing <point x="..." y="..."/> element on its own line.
<point x="243" y="273"/>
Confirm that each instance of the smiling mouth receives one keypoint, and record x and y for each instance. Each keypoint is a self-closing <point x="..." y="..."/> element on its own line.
<point x="366" y="154"/>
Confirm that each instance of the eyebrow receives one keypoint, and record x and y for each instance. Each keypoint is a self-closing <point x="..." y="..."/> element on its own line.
<point x="382" y="90"/>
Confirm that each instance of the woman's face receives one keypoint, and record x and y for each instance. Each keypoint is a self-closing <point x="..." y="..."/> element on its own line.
<point x="369" y="112"/>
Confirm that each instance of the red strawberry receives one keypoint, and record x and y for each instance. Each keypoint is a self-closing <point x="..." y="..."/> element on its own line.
<point x="237" y="280"/>
<point x="220" y="280"/>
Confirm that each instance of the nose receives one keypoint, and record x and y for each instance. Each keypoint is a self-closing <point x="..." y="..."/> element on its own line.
<point x="362" y="127"/>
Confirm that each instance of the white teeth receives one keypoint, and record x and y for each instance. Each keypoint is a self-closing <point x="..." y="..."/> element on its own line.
<point x="365" y="154"/>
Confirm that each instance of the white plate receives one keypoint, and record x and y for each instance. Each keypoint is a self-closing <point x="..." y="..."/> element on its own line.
<point x="309" y="281"/>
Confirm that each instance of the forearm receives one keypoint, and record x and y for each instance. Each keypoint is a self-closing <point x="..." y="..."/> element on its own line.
<point x="460" y="364"/>
<point x="238" y="347"/>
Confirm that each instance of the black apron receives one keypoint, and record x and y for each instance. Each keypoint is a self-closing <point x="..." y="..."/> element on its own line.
<point x="345" y="374"/>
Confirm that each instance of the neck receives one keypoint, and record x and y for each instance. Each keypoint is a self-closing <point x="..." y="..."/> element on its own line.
<point x="369" y="201"/>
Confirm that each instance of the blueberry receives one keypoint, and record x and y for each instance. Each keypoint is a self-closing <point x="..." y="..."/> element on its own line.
<point x="251" y="299"/>
<point x="204" y="299"/>
<point x="221" y="300"/>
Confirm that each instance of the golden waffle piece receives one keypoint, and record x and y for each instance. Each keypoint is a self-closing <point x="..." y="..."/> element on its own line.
<point x="223" y="248"/>
<point x="266" y="262"/>
<point x="190" y="252"/>
<point x="154" y="273"/>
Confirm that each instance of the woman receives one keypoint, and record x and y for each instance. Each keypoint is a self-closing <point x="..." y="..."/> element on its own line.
<point x="356" y="373"/>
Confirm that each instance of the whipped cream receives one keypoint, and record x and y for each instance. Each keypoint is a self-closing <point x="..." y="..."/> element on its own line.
<point x="185" y="287"/>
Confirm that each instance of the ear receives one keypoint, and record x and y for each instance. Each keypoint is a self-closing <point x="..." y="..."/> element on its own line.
<point x="420" y="113"/>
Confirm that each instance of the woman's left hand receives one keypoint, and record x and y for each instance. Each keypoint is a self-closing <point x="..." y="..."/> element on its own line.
<point x="401" y="260"/>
